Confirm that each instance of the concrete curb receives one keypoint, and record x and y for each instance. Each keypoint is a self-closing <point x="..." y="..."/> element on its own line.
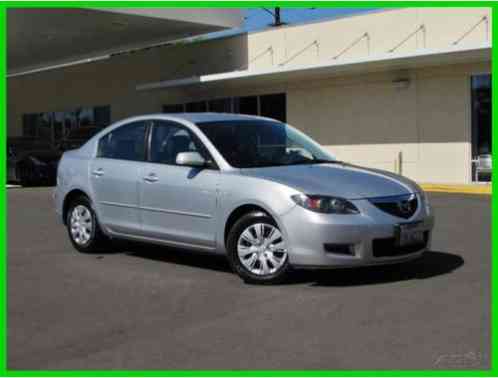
<point x="463" y="189"/>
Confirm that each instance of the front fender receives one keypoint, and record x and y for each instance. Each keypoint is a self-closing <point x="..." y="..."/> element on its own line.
<point x="237" y="191"/>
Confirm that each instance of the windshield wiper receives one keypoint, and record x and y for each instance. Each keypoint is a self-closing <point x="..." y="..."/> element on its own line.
<point x="317" y="161"/>
<point x="325" y="161"/>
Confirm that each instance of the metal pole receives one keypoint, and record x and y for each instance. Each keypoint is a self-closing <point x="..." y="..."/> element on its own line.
<point x="278" y="21"/>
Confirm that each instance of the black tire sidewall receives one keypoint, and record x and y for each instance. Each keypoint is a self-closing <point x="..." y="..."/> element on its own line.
<point x="92" y="244"/>
<point x="231" y="245"/>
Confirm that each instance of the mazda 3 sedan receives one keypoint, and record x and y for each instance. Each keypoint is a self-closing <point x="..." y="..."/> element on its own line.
<point x="254" y="189"/>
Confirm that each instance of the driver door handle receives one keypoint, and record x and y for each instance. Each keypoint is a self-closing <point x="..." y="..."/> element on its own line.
<point x="98" y="172"/>
<point x="152" y="177"/>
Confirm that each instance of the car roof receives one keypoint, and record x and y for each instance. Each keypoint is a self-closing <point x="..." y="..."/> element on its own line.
<point x="209" y="117"/>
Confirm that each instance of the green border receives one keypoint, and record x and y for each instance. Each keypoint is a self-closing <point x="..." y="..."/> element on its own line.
<point x="241" y="373"/>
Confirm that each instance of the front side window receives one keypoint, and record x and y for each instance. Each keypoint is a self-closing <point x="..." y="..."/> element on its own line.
<point x="168" y="140"/>
<point x="254" y="143"/>
<point x="125" y="143"/>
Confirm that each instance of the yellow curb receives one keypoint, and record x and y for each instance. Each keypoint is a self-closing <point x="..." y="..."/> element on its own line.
<point x="465" y="189"/>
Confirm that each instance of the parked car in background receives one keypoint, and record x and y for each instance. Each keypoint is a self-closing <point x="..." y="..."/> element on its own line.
<point x="77" y="137"/>
<point x="31" y="161"/>
<point x="252" y="188"/>
<point x="483" y="167"/>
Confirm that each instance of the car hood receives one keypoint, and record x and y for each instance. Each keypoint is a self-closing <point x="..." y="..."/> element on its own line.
<point x="341" y="180"/>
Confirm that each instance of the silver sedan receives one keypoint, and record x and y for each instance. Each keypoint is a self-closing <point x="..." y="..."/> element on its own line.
<point x="254" y="189"/>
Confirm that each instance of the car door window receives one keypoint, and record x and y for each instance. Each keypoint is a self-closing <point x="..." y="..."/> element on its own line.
<point x="125" y="143"/>
<point x="169" y="139"/>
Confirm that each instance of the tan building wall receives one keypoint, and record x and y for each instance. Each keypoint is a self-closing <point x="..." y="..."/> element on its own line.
<point x="370" y="121"/>
<point x="369" y="35"/>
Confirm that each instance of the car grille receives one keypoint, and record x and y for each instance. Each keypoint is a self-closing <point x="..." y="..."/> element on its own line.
<point x="386" y="247"/>
<point x="399" y="206"/>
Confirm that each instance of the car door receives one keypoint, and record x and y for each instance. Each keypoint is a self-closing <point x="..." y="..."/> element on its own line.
<point x="178" y="203"/>
<point x="114" y="177"/>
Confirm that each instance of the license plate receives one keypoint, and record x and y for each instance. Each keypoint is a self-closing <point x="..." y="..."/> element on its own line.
<point x="409" y="234"/>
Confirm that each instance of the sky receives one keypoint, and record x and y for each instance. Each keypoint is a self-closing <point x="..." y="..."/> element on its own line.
<point x="257" y="18"/>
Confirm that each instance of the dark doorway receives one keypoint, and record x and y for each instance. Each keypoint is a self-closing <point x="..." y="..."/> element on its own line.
<point x="481" y="127"/>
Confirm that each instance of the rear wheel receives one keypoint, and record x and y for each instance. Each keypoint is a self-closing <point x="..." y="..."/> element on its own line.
<point x="82" y="226"/>
<point x="257" y="249"/>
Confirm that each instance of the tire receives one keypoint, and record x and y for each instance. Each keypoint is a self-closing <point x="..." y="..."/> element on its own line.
<point x="84" y="232"/>
<point x="262" y="260"/>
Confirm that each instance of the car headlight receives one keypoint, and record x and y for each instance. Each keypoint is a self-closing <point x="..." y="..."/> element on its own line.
<point x="325" y="204"/>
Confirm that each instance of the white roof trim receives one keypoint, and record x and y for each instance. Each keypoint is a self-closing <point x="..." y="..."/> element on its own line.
<point x="339" y="64"/>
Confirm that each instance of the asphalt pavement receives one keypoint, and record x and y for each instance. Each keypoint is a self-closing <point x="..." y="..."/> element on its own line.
<point x="146" y="307"/>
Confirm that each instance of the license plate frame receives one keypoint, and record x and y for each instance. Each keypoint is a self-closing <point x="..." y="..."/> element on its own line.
<point x="409" y="234"/>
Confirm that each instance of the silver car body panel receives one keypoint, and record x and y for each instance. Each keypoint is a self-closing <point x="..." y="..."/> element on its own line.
<point x="189" y="207"/>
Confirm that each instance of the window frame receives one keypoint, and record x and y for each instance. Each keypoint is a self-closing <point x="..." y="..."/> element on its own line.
<point x="101" y="139"/>
<point x="203" y="150"/>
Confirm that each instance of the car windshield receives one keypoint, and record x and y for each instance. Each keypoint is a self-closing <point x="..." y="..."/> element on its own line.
<point x="261" y="143"/>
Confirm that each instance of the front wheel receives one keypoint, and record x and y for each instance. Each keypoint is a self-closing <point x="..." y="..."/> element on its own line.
<point x="257" y="249"/>
<point x="82" y="226"/>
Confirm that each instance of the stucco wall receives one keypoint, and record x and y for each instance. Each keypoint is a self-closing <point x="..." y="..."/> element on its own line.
<point x="346" y="39"/>
<point x="370" y="120"/>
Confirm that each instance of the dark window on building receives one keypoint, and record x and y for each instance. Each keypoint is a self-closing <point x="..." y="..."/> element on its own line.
<point x="44" y="126"/>
<point x="175" y="108"/>
<point x="273" y="106"/>
<point x="54" y="127"/>
<point x="29" y="123"/>
<point x="85" y="117"/>
<point x="221" y="105"/>
<point x="246" y="105"/>
<point x="481" y="127"/>
<point x="481" y="115"/>
<point x="102" y="116"/>
<point x="70" y="122"/>
<point x="126" y="142"/>
<point x="58" y="125"/>
<point x="196" y="107"/>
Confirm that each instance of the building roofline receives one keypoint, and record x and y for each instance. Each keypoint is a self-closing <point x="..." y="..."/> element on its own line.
<point x="388" y="59"/>
<point x="241" y="31"/>
<point x="321" y="20"/>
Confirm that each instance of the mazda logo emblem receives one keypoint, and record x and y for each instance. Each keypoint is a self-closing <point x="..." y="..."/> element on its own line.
<point x="405" y="207"/>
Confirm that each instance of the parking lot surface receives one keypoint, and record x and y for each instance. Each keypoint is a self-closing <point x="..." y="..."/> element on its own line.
<point x="148" y="307"/>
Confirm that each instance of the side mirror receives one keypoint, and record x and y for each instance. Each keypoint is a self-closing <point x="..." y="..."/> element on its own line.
<point x="190" y="159"/>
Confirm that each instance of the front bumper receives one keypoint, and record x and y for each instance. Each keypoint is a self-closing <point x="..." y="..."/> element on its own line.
<point x="367" y="234"/>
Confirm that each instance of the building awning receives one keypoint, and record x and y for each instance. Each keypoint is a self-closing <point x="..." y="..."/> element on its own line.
<point x="45" y="37"/>
<point x="328" y="69"/>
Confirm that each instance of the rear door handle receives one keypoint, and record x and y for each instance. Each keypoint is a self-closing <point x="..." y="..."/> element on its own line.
<point x="98" y="172"/>
<point x="152" y="177"/>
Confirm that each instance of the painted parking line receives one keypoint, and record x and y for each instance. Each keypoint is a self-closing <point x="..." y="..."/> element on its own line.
<point x="10" y="186"/>
<point x="483" y="189"/>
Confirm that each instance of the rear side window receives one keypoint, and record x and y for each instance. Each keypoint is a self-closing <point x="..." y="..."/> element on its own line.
<point x="125" y="143"/>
